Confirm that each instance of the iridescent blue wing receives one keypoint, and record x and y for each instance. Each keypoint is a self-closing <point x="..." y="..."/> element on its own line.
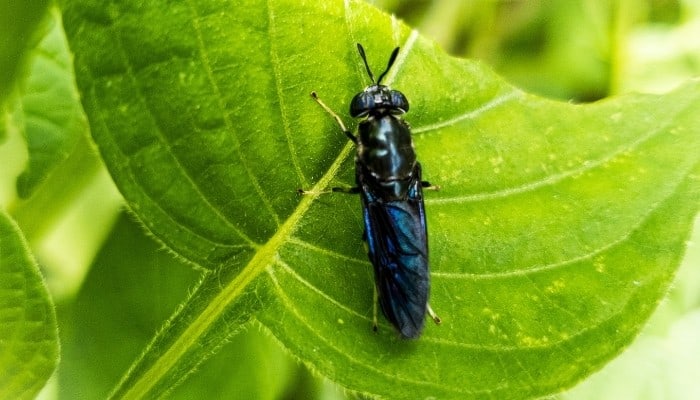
<point x="397" y="243"/>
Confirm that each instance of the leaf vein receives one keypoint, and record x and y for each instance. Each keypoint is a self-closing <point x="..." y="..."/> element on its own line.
<point x="289" y="304"/>
<point x="493" y="103"/>
<point x="314" y="289"/>
<point x="401" y="59"/>
<point x="229" y="125"/>
<point x="324" y="251"/>
<point x="154" y="202"/>
<point x="275" y="61"/>
<point x="555" y="178"/>
<point x="536" y="269"/>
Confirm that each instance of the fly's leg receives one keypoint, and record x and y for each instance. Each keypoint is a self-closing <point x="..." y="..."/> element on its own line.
<point x="346" y="190"/>
<point x="431" y="313"/>
<point x="434" y="316"/>
<point x="335" y="116"/>
<point x="305" y="192"/>
<point x="429" y="186"/>
<point x="354" y="190"/>
<point x="374" y="310"/>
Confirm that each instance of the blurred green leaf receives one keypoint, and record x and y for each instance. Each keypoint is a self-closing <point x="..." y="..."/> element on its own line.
<point x="557" y="233"/>
<point x="251" y="366"/>
<point x="18" y="24"/>
<point x="661" y="368"/>
<point x="63" y="179"/>
<point x="53" y="121"/>
<point x="28" y="334"/>
<point x="561" y="49"/>
<point x="662" y="362"/>
<point x="62" y="163"/>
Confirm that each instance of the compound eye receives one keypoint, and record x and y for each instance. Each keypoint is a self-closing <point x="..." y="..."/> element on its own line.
<point x="361" y="104"/>
<point x="399" y="102"/>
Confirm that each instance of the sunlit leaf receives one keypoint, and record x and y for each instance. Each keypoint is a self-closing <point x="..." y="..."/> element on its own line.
<point x="557" y="232"/>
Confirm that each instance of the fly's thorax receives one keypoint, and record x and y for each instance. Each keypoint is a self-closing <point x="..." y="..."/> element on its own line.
<point x="385" y="148"/>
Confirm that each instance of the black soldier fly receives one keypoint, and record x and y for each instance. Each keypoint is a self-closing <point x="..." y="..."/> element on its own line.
<point x="388" y="179"/>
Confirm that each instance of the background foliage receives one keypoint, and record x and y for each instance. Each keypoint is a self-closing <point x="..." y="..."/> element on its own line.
<point x="114" y="287"/>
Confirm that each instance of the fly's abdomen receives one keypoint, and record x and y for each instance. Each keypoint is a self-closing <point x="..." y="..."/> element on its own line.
<point x="398" y="249"/>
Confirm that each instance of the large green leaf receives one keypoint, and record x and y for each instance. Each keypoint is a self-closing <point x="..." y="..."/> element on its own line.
<point x="28" y="334"/>
<point x="557" y="232"/>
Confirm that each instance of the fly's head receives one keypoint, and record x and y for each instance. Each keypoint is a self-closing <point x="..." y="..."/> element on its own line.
<point x="378" y="99"/>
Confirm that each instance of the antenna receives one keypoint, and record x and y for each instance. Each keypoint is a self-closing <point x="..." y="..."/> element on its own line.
<point x="389" y="64"/>
<point x="364" y="58"/>
<point x="392" y="59"/>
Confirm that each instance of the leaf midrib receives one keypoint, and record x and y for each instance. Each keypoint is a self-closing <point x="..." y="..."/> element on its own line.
<point x="263" y="258"/>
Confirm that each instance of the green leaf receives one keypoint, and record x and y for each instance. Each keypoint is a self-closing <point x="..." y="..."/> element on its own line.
<point x="52" y="119"/>
<point x="63" y="182"/>
<point x="662" y="361"/>
<point x="18" y="25"/>
<point x="131" y="288"/>
<point x="660" y="366"/>
<point x="557" y="232"/>
<point x="28" y="334"/>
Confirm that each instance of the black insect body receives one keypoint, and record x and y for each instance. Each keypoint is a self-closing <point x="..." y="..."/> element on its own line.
<point x="388" y="178"/>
